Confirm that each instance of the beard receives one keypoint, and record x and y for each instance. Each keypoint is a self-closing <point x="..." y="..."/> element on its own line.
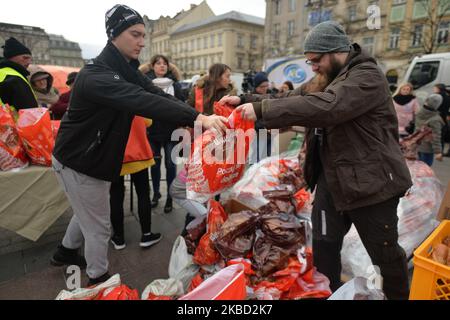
<point x="335" y="69"/>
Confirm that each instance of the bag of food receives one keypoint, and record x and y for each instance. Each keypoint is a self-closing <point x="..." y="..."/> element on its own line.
<point x="223" y="110"/>
<point x="206" y="253"/>
<point x="35" y="129"/>
<point x="121" y="292"/>
<point x="12" y="153"/>
<point x="218" y="161"/>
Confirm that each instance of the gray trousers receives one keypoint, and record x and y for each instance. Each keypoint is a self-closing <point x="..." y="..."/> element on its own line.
<point x="89" y="198"/>
<point x="178" y="193"/>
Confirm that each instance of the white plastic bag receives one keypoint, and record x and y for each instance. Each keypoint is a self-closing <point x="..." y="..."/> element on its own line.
<point x="357" y="289"/>
<point x="169" y="288"/>
<point x="181" y="266"/>
<point x="89" y="293"/>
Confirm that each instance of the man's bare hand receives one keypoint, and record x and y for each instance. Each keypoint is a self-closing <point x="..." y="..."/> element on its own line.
<point x="231" y="100"/>
<point x="217" y="123"/>
<point x="247" y="111"/>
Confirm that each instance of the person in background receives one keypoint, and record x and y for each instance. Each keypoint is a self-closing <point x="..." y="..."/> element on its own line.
<point x="60" y="107"/>
<point x="165" y="76"/>
<point x="444" y="111"/>
<point x="406" y="106"/>
<point x="259" y="149"/>
<point x="211" y="88"/>
<point x="286" y="86"/>
<point x="90" y="147"/>
<point x="15" y="89"/>
<point x="42" y="84"/>
<point x="429" y="116"/>
<point x="138" y="158"/>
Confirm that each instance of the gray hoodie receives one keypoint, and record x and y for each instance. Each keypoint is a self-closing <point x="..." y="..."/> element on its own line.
<point x="428" y="116"/>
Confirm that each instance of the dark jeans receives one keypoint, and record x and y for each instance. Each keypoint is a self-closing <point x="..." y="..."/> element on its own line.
<point x="171" y="169"/>
<point x="117" y="195"/>
<point x="378" y="230"/>
<point x="428" y="158"/>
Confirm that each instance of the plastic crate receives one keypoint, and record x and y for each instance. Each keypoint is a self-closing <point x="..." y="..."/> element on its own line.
<point x="431" y="280"/>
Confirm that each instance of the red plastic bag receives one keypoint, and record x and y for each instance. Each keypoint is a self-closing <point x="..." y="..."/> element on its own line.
<point x="301" y="198"/>
<point x="223" y="110"/>
<point x="12" y="153"/>
<point x="35" y="129"/>
<point x="151" y="296"/>
<point x="55" y="127"/>
<point x="196" y="281"/>
<point x="227" y="284"/>
<point x="206" y="253"/>
<point x="218" y="161"/>
<point x="121" y="292"/>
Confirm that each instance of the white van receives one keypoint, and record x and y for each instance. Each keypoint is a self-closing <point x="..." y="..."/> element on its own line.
<point x="428" y="70"/>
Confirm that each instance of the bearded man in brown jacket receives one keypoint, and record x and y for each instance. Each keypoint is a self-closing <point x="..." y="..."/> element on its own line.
<point x="353" y="156"/>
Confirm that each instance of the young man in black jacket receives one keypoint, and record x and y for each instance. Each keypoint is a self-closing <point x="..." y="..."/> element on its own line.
<point x="91" y="141"/>
<point x="15" y="88"/>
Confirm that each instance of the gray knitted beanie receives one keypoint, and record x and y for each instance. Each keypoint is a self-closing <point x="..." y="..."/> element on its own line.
<point x="327" y="37"/>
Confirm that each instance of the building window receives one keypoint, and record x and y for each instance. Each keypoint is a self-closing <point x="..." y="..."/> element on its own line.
<point x="291" y="28"/>
<point x="368" y="44"/>
<point x="444" y="7"/>
<point x="219" y="39"/>
<point x="205" y="63"/>
<point x="276" y="31"/>
<point x="192" y="45"/>
<point x="398" y="13"/>
<point x="420" y="9"/>
<point x="394" y="38"/>
<point x="213" y="40"/>
<point x="417" y="36"/>
<point x="253" y="41"/>
<point x="352" y="13"/>
<point x="292" y="5"/>
<point x="240" y="62"/>
<point x="240" y="40"/>
<point x="199" y="43"/>
<point x="317" y="16"/>
<point x="205" y="43"/>
<point x="442" y="33"/>
<point x="277" y="5"/>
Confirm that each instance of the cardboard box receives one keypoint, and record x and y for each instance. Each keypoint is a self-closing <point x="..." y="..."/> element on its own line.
<point x="233" y="206"/>
<point x="444" y="211"/>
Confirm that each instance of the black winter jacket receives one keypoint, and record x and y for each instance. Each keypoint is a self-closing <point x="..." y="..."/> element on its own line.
<point x="107" y="94"/>
<point x="14" y="91"/>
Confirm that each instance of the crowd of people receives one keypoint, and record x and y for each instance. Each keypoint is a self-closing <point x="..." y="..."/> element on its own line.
<point x="119" y="116"/>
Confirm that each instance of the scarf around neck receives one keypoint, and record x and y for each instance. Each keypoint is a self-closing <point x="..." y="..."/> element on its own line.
<point x="402" y="100"/>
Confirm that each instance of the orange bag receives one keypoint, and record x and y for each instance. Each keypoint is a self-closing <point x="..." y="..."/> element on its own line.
<point x="218" y="161"/>
<point x="121" y="292"/>
<point x="12" y="153"/>
<point x="227" y="284"/>
<point x="35" y="129"/>
<point x="223" y="110"/>
<point x="206" y="253"/>
<point x="301" y="198"/>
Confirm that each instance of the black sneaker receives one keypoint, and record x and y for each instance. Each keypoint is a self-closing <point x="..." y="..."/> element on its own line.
<point x="168" y="206"/>
<point x="67" y="257"/>
<point x="118" y="242"/>
<point x="155" y="200"/>
<point x="150" y="239"/>
<point x="96" y="281"/>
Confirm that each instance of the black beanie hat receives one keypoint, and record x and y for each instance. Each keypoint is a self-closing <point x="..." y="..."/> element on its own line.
<point x="14" y="48"/>
<point x="119" y="18"/>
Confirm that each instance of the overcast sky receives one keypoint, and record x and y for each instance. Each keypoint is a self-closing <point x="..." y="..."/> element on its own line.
<point x="83" y="20"/>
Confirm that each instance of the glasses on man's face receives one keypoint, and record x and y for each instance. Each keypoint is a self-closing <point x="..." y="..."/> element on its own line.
<point x="314" y="61"/>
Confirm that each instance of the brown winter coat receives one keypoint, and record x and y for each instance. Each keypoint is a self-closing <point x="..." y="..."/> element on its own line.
<point x="208" y="106"/>
<point x="360" y="153"/>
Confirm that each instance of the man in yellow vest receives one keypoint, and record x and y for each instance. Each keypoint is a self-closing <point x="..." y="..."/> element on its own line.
<point x="15" y="89"/>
